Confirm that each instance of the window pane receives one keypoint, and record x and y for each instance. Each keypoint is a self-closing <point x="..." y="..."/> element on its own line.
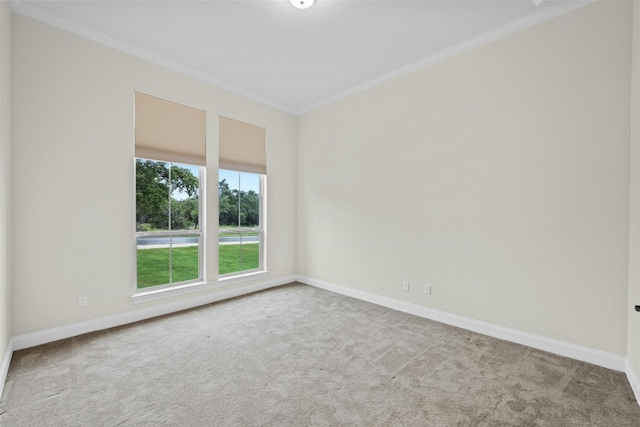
<point x="239" y="210"/>
<point x="153" y="261"/>
<point x="239" y="252"/>
<point x="184" y="197"/>
<point x="185" y="258"/>
<point x="166" y="191"/>
<point x="249" y="199"/>
<point x="228" y="198"/>
<point x="239" y="199"/>
<point x="152" y="195"/>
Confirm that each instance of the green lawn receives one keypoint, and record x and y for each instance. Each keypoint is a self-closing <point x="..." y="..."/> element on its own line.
<point x="230" y="256"/>
<point x="153" y="264"/>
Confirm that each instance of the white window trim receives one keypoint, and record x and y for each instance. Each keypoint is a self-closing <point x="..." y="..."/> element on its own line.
<point x="189" y="288"/>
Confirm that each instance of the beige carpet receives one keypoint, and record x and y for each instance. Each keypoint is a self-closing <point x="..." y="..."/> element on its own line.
<point x="300" y="356"/>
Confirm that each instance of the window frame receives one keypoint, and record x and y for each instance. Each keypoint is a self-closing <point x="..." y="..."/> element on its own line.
<point x="172" y="233"/>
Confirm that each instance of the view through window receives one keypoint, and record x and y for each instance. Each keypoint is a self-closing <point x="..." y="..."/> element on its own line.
<point x="241" y="231"/>
<point x="168" y="229"/>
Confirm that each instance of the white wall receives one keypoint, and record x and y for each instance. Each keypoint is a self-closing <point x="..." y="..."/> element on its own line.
<point x="499" y="176"/>
<point x="633" y="338"/>
<point x="73" y="181"/>
<point x="5" y="182"/>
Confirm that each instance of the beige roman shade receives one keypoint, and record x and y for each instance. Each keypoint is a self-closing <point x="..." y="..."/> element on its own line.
<point x="169" y="131"/>
<point x="242" y="146"/>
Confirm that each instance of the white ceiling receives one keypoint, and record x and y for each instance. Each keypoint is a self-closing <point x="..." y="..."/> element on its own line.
<point x="292" y="59"/>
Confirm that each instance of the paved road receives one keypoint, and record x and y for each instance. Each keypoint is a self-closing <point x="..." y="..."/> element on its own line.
<point x="143" y="241"/>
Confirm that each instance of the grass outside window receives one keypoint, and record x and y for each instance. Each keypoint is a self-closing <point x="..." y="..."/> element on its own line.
<point x="153" y="264"/>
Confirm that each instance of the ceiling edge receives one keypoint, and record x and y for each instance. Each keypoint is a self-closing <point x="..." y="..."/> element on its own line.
<point x="545" y="13"/>
<point x="22" y="8"/>
<point x="548" y="12"/>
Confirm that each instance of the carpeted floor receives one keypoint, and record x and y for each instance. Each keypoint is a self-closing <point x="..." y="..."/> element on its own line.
<point x="300" y="356"/>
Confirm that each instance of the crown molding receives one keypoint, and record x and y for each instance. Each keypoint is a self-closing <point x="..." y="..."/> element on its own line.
<point x="26" y="9"/>
<point x="547" y="12"/>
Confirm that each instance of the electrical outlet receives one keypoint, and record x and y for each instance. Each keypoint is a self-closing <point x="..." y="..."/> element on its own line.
<point x="82" y="301"/>
<point x="405" y="286"/>
<point x="427" y="289"/>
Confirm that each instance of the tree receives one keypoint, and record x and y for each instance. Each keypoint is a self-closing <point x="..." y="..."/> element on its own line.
<point x="237" y="208"/>
<point x="191" y="209"/>
<point x="157" y="186"/>
<point x="250" y="207"/>
<point x="227" y="205"/>
<point x="156" y="182"/>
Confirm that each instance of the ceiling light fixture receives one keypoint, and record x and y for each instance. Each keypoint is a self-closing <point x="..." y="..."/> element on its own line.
<point x="302" y="4"/>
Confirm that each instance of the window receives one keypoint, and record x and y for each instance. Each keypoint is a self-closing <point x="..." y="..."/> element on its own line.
<point x="240" y="221"/>
<point x="171" y="235"/>
<point x="170" y="160"/>
<point x="168" y="231"/>
<point x="241" y="211"/>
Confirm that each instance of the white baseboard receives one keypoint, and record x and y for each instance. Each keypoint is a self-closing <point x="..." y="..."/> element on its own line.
<point x="585" y="354"/>
<point x="596" y="357"/>
<point x="4" y="366"/>
<point x="37" y="338"/>
<point x="633" y="380"/>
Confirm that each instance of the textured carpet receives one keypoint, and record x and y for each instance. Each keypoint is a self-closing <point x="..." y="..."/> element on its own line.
<point x="298" y="356"/>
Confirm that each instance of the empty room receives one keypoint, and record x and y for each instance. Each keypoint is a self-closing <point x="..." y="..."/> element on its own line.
<point x="320" y="212"/>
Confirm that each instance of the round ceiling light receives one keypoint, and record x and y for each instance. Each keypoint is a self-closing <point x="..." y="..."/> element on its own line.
<point x="302" y="4"/>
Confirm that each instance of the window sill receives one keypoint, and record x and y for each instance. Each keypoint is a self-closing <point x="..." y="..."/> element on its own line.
<point x="188" y="288"/>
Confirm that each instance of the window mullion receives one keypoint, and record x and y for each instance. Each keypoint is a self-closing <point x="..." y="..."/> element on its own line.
<point x="239" y="199"/>
<point x="169" y="189"/>
<point x="240" y="215"/>
<point x="170" y="259"/>
<point x="169" y="227"/>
